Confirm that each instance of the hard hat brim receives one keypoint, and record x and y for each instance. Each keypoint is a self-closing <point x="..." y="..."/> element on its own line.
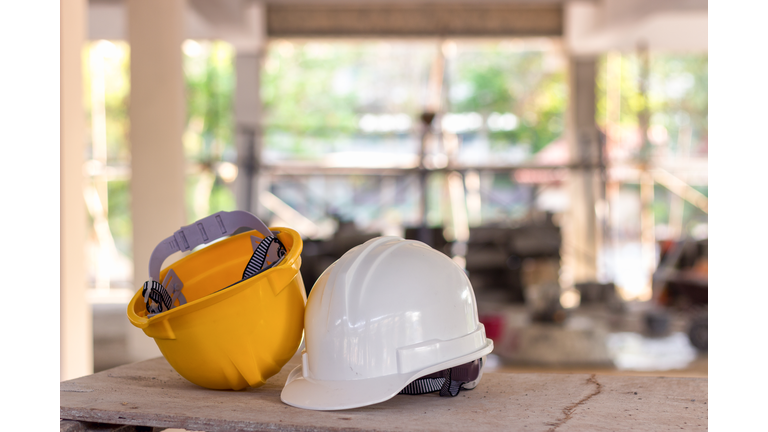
<point x="322" y="395"/>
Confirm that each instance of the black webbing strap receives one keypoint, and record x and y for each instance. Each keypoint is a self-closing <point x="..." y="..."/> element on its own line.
<point x="450" y="387"/>
<point x="158" y="299"/>
<point x="423" y="386"/>
<point x="259" y="257"/>
<point x="448" y="381"/>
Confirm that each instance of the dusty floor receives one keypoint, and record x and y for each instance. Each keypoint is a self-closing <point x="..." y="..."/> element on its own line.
<point x="633" y="353"/>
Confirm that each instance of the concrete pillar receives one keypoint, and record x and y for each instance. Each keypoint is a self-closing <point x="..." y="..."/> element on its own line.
<point x="76" y="317"/>
<point x="581" y="235"/>
<point x="248" y="132"/>
<point x="247" y="106"/>
<point x="157" y="113"/>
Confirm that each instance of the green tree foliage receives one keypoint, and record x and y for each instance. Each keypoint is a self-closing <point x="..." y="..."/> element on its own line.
<point x="677" y="94"/>
<point x="314" y="93"/>
<point x="298" y="91"/>
<point x="529" y="83"/>
<point x="208" y="139"/>
<point x="209" y="81"/>
<point x="301" y="106"/>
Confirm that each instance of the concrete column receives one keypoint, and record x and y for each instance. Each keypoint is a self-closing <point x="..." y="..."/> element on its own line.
<point x="250" y="48"/>
<point x="248" y="132"/>
<point x="76" y="316"/>
<point x="581" y="235"/>
<point x="157" y="113"/>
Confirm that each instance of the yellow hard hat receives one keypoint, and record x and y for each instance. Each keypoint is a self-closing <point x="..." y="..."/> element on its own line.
<point x="229" y="315"/>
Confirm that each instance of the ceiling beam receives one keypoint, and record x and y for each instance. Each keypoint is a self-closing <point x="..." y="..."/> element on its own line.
<point x="365" y="19"/>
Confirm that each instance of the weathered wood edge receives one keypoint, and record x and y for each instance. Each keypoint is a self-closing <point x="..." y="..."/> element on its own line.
<point x="192" y="423"/>
<point x="83" y="426"/>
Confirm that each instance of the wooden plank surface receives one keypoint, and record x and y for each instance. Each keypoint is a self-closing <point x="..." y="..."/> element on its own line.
<point x="151" y="393"/>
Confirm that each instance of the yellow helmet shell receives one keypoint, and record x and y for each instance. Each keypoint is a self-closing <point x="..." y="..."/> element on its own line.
<point x="235" y="337"/>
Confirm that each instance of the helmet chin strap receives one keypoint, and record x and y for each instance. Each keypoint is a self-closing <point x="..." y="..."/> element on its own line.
<point x="160" y="297"/>
<point x="449" y="382"/>
<point x="259" y="261"/>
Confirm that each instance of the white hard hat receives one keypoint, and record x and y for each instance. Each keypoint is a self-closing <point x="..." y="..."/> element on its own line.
<point x="388" y="312"/>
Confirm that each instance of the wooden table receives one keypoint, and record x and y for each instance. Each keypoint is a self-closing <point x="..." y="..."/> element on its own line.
<point x="151" y="394"/>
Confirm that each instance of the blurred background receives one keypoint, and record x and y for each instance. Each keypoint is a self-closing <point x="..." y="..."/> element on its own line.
<point x="556" y="150"/>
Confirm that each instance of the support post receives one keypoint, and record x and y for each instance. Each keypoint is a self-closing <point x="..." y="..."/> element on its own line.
<point x="581" y="236"/>
<point x="157" y="113"/>
<point x="76" y="316"/>
<point x="248" y="132"/>
<point x="647" y="222"/>
<point x="247" y="106"/>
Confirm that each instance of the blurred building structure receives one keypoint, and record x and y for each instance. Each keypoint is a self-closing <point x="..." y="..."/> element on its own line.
<point x="76" y="319"/>
<point x="156" y="30"/>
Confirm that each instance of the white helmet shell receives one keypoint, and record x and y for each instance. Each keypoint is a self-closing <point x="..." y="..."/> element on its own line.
<point x="386" y="313"/>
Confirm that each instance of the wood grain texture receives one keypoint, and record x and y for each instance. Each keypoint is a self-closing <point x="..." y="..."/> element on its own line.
<point x="151" y="393"/>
